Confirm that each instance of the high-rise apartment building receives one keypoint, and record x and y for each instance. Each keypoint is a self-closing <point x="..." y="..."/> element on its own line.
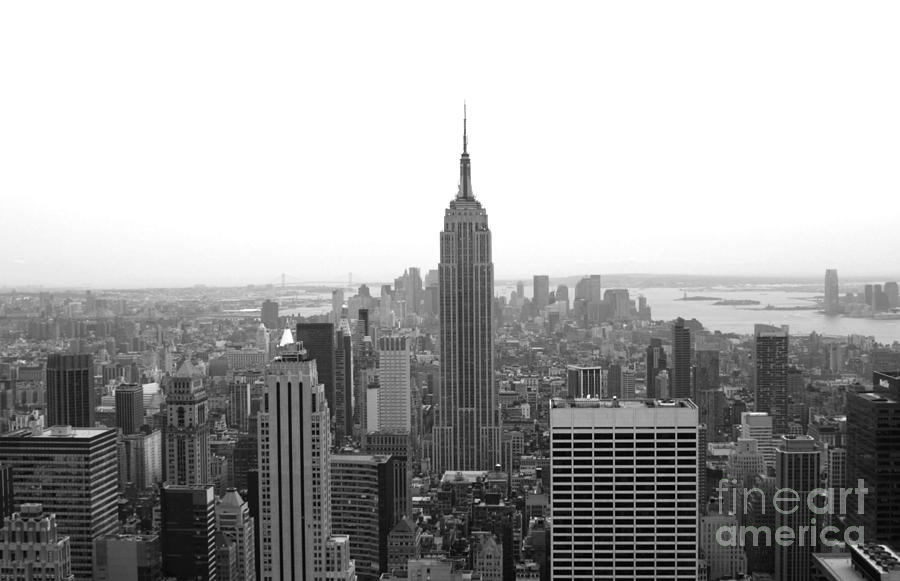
<point x="187" y="430"/>
<point x="771" y="374"/>
<point x="296" y="538"/>
<point x="70" y="393"/>
<point x="32" y="548"/>
<point x="796" y="469"/>
<point x="832" y="292"/>
<point x="188" y="533"/>
<point x="656" y="362"/>
<point x="129" y="408"/>
<point x="72" y="473"/>
<point x="541" y="291"/>
<point x="466" y="432"/>
<point x="394" y="387"/>
<point x="624" y="487"/>
<point x="681" y="360"/>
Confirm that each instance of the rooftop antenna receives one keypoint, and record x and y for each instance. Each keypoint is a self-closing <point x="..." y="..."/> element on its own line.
<point x="465" y="137"/>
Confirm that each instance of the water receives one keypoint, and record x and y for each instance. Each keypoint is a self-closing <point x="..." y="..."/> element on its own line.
<point x="728" y="319"/>
<point x="665" y="305"/>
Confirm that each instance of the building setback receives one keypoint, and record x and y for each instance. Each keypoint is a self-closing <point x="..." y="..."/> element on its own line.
<point x="466" y="432"/>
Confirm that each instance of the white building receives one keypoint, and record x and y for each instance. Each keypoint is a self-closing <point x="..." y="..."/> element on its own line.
<point x="624" y="489"/>
<point x="234" y="521"/>
<point x="394" y="392"/>
<point x="758" y="425"/>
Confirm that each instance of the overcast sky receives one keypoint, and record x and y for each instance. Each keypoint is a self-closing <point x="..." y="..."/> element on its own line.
<point x="164" y="143"/>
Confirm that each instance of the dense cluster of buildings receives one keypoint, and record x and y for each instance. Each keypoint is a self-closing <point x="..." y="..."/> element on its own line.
<point x="434" y="430"/>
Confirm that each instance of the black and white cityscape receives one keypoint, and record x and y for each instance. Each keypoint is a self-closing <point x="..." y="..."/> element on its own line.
<point x="240" y="343"/>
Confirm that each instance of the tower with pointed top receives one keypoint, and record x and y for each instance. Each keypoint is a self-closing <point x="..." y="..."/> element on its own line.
<point x="466" y="432"/>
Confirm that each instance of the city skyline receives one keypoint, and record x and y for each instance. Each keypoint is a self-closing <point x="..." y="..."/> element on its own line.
<point x="594" y="143"/>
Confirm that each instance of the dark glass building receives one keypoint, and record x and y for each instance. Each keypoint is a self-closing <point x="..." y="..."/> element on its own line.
<point x="70" y="395"/>
<point x="188" y="532"/>
<point x="129" y="408"/>
<point x="681" y="364"/>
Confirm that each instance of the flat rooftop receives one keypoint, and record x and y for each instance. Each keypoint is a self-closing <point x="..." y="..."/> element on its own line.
<point x="622" y="403"/>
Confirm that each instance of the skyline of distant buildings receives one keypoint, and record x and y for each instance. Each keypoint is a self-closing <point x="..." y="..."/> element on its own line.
<point x="434" y="430"/>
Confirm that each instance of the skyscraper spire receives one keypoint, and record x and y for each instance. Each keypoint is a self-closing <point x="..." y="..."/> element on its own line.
<point x="465" y="171"/>
<point x="465" y="139"/>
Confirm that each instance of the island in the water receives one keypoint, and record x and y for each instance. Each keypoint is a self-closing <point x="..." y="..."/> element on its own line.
<point x="698" y="298"/>
<point x="736" y="302"/>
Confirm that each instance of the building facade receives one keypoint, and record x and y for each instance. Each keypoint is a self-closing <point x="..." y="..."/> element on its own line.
<point x="624" y="489"/>
<point x="72" y="473"/>
<point x="466" y="433"/>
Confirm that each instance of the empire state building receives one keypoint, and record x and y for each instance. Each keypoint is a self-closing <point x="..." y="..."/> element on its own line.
<point x="466" y="432"/>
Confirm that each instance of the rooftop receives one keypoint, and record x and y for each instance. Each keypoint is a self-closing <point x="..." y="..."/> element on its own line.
<point x="622" y="403"/>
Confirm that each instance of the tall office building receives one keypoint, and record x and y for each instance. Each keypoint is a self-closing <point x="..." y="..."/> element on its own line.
<point x="832" y="292"/>
<point x="394" y="387"/>
<point x="187" y="430"/>
<point x="362" y="508"/>
<point x="294" y="494"/>
<point x="584" y="381"/>
<point x="796" y="469"/>
<point x="413" y="290"/>
<point x="269" y="314"/>
<point x="873" y="455"/>
<point x="32" y="548"/>
<point x="188" y="533"/>
<point x="771" y="372"/>
<point x="562" y="296"/>
<point x="140" y="459"/>
<point x="681" y="360"/>
<point x="72" y="473"/>
<point x="234" y="521"/>
<point x="70" y="393"/>
<point x="399" y="447"/>
<point x="127" y="557"/>
<point x="706" y="372"/>
<point x="656" y="362"/>
<point x="541" y="291"/>
<point x="614" y="380"/>
<point x="892" y="292"/>
<point x="466" y="432"/>
<point x="343" y="378"/>
<point x="129" y="408"/>
<point x="318" y="340"/>
<point x="624" y="486"/>
<point x="337" y="303"/>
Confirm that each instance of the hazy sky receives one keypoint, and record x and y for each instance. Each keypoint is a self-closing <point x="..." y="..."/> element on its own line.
<point x="163" y="143"/>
